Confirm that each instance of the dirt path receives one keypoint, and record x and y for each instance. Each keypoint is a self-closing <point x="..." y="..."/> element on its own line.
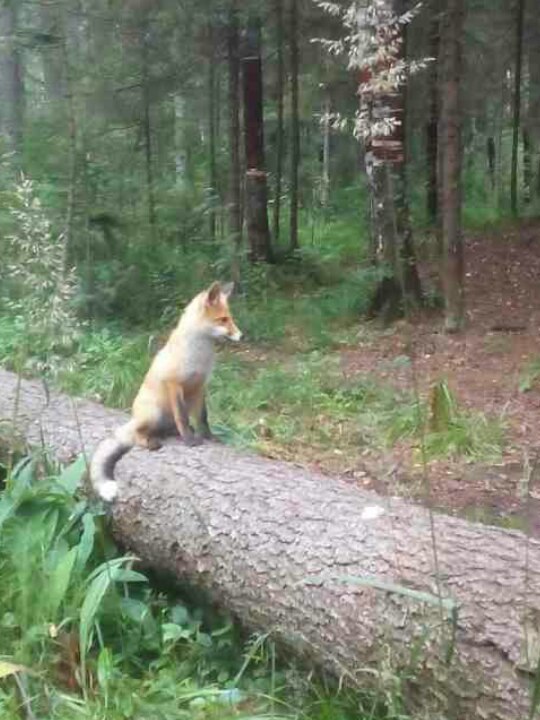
<point x="484" y="367"/>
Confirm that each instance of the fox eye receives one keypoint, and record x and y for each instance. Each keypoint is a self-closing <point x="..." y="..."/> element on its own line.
<point x="223" y="320"/>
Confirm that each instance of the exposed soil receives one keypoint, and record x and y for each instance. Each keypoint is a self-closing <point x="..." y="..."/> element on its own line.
<point x="484" y="367"/>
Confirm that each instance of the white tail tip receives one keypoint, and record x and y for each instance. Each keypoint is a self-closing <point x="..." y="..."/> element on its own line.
<point x="108" y="490"/>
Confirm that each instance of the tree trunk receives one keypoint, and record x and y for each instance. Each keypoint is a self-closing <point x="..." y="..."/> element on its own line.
<point x="325" y="169"/>
<point x="491" y="161"/>
<point x="527" y="166"/>
<point x="179" y="110"/>
<point x="295" y="124"/>
<point x="11" y="81"/>
<point x="147" y="132"/>
<point x="72" y="150"/>
<point x="51" y="52"/>
<point x="411" y="286"/>
<point x="279" y="130"/>
<point x="235" y="206"/>
<point x="450" y="165"/>
<point x="433" y="114"/>
<point x="340" y="576"/>
<point x="260" y="248"/>
<point x="212" y="164"/>
<point x="533" y="114"/>
<point x="500" y="126"/>
<point x="520" y="7"/>
<point x="386" y="171"/>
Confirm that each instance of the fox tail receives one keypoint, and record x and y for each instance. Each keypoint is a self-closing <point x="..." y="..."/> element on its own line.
<point x="105" y="457"/>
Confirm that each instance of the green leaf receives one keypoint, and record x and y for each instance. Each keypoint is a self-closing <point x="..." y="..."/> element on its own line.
<point x="204" y="639"/>
<point x="59" y="581"/>
<point x="18" y="485"/>
<point x="7" y="668"/>
<point x="8" y="507"/>
<point x="22" y="476"/>
<point x="129" y="576"/>
<point x="110" y="566"/>
<point x="86" y="544"/>
<point x="135" y="610"/>
<point x="105" y="668"/>
<point x="99" y="582"/>
<point x="172" y="632"/>
<point x="180" y="615"/>
<point x="71" y="477"/>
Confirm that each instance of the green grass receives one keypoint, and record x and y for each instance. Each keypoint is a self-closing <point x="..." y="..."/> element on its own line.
<point x="529" y="375"/>
<point x="291" y="401"/>
<point x="84" y="635"/>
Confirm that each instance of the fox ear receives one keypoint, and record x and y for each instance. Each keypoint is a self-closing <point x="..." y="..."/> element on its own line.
<point x="227" y="289"/>
<point x="213" y="293"/>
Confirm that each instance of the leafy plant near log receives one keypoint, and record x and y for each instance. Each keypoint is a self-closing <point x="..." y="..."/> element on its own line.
<point x="85" y="635"/>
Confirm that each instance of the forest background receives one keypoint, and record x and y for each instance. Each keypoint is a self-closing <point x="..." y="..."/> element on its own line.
<point x="148" y="148"/>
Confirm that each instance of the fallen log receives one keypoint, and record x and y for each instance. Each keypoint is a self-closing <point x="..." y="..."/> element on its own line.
<point x="341" y="576"/>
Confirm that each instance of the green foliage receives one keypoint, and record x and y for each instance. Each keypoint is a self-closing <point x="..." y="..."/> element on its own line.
<point x="108" y="367"/>
<point x="38" y="284"/>
<point x="450" y="431"/>
<point x="529" y="375"/>
<point x="296" y="401"/>
<point x="83" y="634"/>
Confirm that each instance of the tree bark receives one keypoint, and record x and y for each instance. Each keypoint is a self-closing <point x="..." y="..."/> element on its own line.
<point x="449" y="143"/>
<point x="520" y="7"/>
<point x="72" y="145"/>
<point x="212" y="163"/>
<point x="260" y="248"/>
<point x="11" y="81"/>
<point x="295" y="124"/>
<point x="385" y="160"/>
<point x="527" y="166"/>
<point x="433" y="114"/>
<point x="279" y="130"/>
<point x="235" y="202"/>
<point x="533" y="110"/>
<point x="411" y="286"/>
<point x="325" y="169"/>
<point x="491" y="161"/>
<point x="51" y="52"/>
<point x="147" y="131"/>
<point x="340" y="576"/>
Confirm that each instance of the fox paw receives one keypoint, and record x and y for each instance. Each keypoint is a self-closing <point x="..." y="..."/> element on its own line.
<point x="211" y="437"/>
<point x="193" y="440"/>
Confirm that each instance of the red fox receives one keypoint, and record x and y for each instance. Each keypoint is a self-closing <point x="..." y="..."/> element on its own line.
<point x="173" y="389"/>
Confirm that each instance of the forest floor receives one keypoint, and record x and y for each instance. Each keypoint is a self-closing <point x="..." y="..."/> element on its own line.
<point x="491" y="367"/>
<point x="315" y="384"/>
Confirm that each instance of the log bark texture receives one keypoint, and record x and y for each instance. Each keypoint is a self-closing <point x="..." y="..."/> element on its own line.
<point x="274" y="544"/>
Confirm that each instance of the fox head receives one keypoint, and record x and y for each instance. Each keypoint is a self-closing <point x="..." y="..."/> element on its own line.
<point x="217" y="312"/>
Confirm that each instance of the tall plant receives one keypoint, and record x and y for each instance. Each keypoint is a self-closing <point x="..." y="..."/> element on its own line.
<point x="41" y="282"/>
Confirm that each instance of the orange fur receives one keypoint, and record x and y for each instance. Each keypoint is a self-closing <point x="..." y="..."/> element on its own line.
<point x="173" y="390"/>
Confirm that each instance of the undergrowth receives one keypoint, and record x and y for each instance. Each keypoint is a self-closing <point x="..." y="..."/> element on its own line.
<point x="85" y="635"/>
<point x="296" y="404"/>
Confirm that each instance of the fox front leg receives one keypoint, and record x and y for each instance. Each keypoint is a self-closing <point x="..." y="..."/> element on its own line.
<point x="180" y="415"/>
<point x="202" y="420"/>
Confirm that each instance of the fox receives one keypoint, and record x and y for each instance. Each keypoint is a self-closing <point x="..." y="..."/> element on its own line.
<point x="173" y="390"/>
